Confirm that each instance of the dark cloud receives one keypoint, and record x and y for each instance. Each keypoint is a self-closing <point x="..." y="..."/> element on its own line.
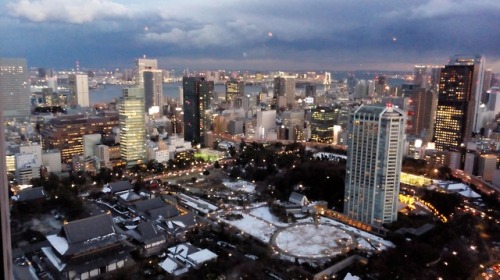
<point x="320" y="34"/>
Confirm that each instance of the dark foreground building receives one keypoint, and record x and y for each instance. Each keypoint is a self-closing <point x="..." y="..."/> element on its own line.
<point x="87" y="248"/>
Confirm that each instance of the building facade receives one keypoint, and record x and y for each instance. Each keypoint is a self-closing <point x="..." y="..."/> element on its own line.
<point x="65" y="133"/>
<point x="284" y="86"/>
<point x="198" y="94"/>
<point x="5" y="243"/>
<point x="153" y="89"/>
<point x="322" y="121"/>
<point x="375" y="151"/>
<point x="79" y="89"/>
<point x="455" y="109"/>
<point x="234" y="89"/>
<point x="143" y="64"/>
<point x="132" y="126"/>
<point x="14" y="87"/>
<point x="425" y="104"/>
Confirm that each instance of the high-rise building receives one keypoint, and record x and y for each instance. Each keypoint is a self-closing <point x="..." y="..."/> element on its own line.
<point x="143" y="64"/>
<point x="434" y="77"/>
<point x="455" y="109"/>
<point x="5" y="243"/>
<point x="153" y="89"/>
<point x="234" y="89"/>
<point x="374" y="155"/>
<point x="323" y="119"/>
<point x="311" y="90"/>
<point x="65" y="133"/>
<point x="381" y="85"/>
<point x="478" y="63"/>
<point x="198" y="93"/>
<point x="79" y="89"/>
<point x="488" y="77"/>
<point x="420" y="76"/>
<point x="132" y="126"/>
<point x="284" y="86"/>
<point x="425" y="103"/>
<point x="14" y="87"/>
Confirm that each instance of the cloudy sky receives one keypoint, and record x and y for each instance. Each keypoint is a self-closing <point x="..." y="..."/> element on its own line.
<point x="252" y="34"/>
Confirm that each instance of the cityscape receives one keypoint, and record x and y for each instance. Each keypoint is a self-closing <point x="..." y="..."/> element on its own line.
<point x="252" y="144"/>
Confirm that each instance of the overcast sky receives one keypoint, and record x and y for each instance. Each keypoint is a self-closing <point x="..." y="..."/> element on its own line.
<point x="253" y="34"/>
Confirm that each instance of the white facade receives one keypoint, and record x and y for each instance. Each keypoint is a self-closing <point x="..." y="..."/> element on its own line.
<point x="375" y="151"/>
<point x="79" y="87"/>
<point x="52" y="160"/>
<point x="26" y="168"/>
<point x="14" y="87"/>
<point x="89" y="143"/>
<point x="32" y="148"/>
<point x="266" y="120"/>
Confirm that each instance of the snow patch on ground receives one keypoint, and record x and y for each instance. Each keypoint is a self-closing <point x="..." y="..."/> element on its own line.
<point x="264" y="214"/>
<point x="313" y="241"/>
<point x="240" y="185"/>
<point x="253" y="226"/>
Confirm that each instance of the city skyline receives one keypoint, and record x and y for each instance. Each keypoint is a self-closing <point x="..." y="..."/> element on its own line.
<point x="329" y="35"/>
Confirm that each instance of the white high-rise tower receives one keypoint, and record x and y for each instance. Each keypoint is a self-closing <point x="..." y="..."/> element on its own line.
<point x="14" y="87"/>
<point x="79" y="87"/>
<point x="375" y="151"/>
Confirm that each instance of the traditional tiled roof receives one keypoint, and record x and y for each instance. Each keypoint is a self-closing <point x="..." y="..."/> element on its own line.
<point x="88" y="229"/>
<point x="166" y="212"/>
<point x="149" y="233"/>
<point x="120" y="186"/>
<point x="149" y="204"/>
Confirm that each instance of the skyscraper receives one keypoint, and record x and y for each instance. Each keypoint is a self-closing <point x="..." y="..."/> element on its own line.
<point x="79" y="88"/>
<point x="132" y="126"/>
<point x="425" y="103"/>
<point x="374" y="156"/>
<point x="198" y="93"/>
<point x="143" y="64"/>
<point x="5" y="244"/>
<point x="420" y="74"/>
<point x="14" y="87"/>
<point x="322" y="121"/>
<point x="153" y="89"/>
<point x="234" y="89"/>
<point x="478" y="63"/>
<point x="284" y="86"/>
<point x="456" y="108"/>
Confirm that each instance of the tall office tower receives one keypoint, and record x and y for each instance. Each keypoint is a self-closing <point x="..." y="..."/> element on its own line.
<point x="5" y="243"/>
<point x="198" y="93"/>
<point x="65" y="133"/>
<point x="311" y="90"/>
<point x="420" y="76"/>
<point x="284" y="86"/>
<point x="425" y="104"/>
<point x="323" y="119"/>
<point x="153" y="89"/>
<point x="234" y="89"/>
<point x="14" y="87"/>
<point x="361" y="90"/>
<point x="79" y="88"/>
<point x="132" y="126"/>
<point x="380" y="85"/>
<point x="374" y="155"/>
<point x="143" y="64"/>
<point x="455" y="109"/>
<point x="477" y="61"/>
<point x="488" y="77"/>
<point x="434" y="77"/>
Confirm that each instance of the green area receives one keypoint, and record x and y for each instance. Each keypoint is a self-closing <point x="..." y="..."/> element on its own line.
<point x="205" y="157"/>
